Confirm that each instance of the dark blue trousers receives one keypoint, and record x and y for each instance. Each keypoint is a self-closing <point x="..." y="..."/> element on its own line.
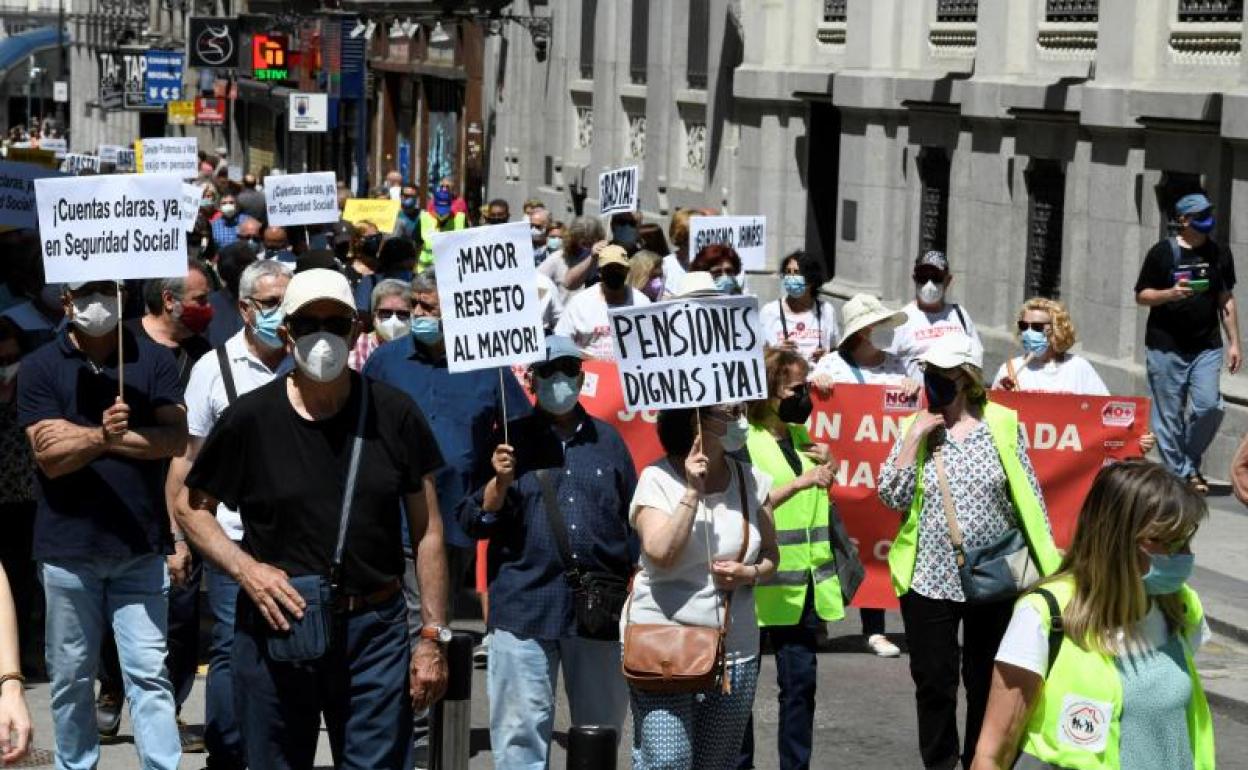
<point x="360" y="686"/>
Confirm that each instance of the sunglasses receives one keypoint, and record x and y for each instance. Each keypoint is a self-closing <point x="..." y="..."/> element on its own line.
<point x="302" y="326"/>
<point x="265" y="303"/>
<point x="923" y="276"/>
<point x="569" y="367"/>
<point x="1035" y="326"/>
<point x="386" y="315"/>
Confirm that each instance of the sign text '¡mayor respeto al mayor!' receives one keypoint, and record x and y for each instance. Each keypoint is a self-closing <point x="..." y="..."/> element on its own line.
<point x="488" y="301"/>
<point x="113" y="242"/>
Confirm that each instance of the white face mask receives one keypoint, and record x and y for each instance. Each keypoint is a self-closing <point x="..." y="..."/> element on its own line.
<point x="734" y="438"/>
<point x="95" y="314"/>
<point x="321" y="356"/>
<point x="392" y="328"/>
<point x="931" y="293"/>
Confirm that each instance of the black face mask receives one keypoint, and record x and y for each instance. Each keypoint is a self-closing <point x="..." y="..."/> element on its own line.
<point x="370" y="245"/>
<point x="614" y="279"/>
<point x="940" y="390"/>
<point x="796" y="408"/>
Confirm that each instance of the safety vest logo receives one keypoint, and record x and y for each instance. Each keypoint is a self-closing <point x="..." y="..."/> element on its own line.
<point x="1084" y="723"/>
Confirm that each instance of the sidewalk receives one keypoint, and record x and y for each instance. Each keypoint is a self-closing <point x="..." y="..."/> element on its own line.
<point x="1221" y="579"/>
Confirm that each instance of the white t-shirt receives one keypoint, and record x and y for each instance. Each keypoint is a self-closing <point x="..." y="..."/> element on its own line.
<point x="684" y="592"/>
<point x="1069" y="374"/>
<point x="548" y="301"/>
<point x="805" y="329"/>
<point x="833" y="366"/>
<point x="1026" y="642"/>
<point x="673" y="273"/>
<point x="555" y="267"/>
<point x="207" y="400"/>
<point x="921" y="329"/>
<point x="585" y="320"/>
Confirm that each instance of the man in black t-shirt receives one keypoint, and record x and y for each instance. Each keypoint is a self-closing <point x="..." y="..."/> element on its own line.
<point x="1187" y="282"/>
<point x="280" y="456"/>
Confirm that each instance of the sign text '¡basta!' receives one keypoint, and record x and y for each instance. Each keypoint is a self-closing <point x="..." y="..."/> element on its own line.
<point x="742" y="237"/>
<point x="618" y="188"/>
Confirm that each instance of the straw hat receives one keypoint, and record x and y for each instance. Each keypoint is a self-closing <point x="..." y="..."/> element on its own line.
<point x="863" y="310"/>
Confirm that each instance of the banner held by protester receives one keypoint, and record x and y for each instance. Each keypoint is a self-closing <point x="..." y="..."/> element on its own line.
<point x="618" y="190"/>
<point x="384" y="213"/>
<point x="169" y="155"/>
<point x="746" y="235"/>
<point x="17" y="193"/>
<point x="301" y="199"/>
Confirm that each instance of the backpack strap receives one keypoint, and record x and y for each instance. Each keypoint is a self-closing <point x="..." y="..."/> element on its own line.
<point x="1176" y="252"/>
<point x="1056" y="628"/>
<point x="961" y="318"/>
<point x="227" y="376"/>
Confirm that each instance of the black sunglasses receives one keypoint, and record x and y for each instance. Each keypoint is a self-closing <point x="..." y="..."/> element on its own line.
<point x="302" y="326"/>
<point x="386" y="314"/>
<point x="1035" y="326"/>
<point x="570" y="367"/>
<point x="923" y="276"/>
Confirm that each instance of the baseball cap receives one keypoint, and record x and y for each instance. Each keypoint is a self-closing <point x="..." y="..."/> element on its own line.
<point x="341" y="232"/>
<point x="317" y="284"/>
<point x="559" y="346"/>
<point x="442" y="200"/>
<point x="612" y="254"/>
<point x="933" y="258"/>
<point x="948" y="352"/>
<point x="1192" y="204"/>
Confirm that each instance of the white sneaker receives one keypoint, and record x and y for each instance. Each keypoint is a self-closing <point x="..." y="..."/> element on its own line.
<point x="880" y="645"/>
<point x="481" y="654"/>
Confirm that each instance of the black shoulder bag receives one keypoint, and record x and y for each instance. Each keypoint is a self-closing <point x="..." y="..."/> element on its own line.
<point x="598" y="596"/>
<point x="308" y="637"/>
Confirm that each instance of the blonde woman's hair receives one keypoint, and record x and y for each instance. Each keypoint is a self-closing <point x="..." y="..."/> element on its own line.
<point x="1129" y="502"/>
<point x="776" y="365"/>
<point x="640" y="266"/>
<point x="678" y="229"/>
<point x="1062" y="331"/>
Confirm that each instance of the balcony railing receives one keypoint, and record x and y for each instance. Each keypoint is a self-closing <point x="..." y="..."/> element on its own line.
<point x="1211" y="10"/>
<point x="1076" y="11"/>
<point x="957" y="10"/>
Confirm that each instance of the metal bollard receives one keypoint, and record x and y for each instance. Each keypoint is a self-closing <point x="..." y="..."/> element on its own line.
<point x="451" y="718"/>
<point x="591" y="747"/>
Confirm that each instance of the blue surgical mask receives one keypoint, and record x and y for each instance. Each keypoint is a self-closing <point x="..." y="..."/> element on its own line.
<point x="1034" y="342"/>
<point x="794" y="285"/>
<point x="727" y="284"/>
<point x="554" y="243"/>
<point x="558" y="393"/>
<point x="426" y="329"/>
<point x="265" y="327"/>
<point x="409" y="203"/>
<point x="1167" y="572"/>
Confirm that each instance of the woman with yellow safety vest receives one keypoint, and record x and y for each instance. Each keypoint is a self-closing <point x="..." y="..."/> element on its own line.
<point x="980" y="476"/>
<point x="805" y="591"/>
<point x="1112" y="683"/>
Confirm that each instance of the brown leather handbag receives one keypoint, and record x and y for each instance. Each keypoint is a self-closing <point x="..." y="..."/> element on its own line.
<point x="674" y="658"/>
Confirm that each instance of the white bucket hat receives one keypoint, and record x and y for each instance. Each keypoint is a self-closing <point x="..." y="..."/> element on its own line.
<point x="863" y="310"/>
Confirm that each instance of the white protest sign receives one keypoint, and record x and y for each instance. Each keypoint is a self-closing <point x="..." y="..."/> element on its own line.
<point x="96" y="228"/>
<point x="689" y="352"/>
<point x="301" y="199"/>
<point x="746" y="235"/>
<point x="171" y="155"/>
<point x="308" y="112"/>
<point x="58" y="145"/>
<point x="108" y="152"/>
<point x="125" y="159"/>
<point x="487" y="288"/>
<point x="17" y="193"/>
<point x="189" y="205"/>
<point x="618" y="190"/>
<point x="76" y="163"/>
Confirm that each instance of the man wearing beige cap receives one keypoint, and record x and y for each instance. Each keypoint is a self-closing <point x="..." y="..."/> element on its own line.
<point x="319" y="465"/>
<point x="584" y="318"/>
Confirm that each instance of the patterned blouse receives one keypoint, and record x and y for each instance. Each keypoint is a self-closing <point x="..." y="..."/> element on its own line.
<point x="981" y="499"/>
<point x="17" y="462"/>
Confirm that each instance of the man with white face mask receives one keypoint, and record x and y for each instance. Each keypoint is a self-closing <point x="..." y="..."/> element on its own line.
<point x="929" y="317"/>
<point x="102" y="530"/>
<point x="391" y="305"/>
<point x="556" y="515"/>
<point x="317" y="464"/>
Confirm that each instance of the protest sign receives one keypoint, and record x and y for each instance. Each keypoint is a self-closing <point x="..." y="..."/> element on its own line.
<point x="180" y="112"/>
<point x="192" y="194"/>
<point x="57" y="145"/>
<point x="17" y="193"/>
<point x="301" y="199"/>
<point x="689" y="352"/>
<point x="169" y="155"/>
<point x="1069" y="438"/>
<point x="383" y="213"/>
<point x="76" y="163"/>
<point x="111" y="227"/>
<point x="618" y="190"/>
<point x="108" y="152"/>
<point x="45" y="158"/>
<point x="127" y="160"/>
<point x="746" y="235"/>
<point x="488" y="291"/>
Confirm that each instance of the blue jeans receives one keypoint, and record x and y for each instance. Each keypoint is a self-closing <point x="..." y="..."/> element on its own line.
<point x="132" y="596"/>
<point x="522" y="676"/>
<point x="360" y="686"/>
<point x="1172" y="378"/>
<point x="222" y="738"/>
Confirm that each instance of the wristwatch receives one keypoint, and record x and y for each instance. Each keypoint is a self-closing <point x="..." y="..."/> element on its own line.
<point x="435" y="633"/>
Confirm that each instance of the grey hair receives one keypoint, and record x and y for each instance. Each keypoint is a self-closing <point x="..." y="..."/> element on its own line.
<point x="261" y="269"/>
<point x="542" y="211"/>
<point x="584" y="231"/>
<point x="154" y="288"/>
<point x="390" y="287"/>
<point x="425" y="282"/>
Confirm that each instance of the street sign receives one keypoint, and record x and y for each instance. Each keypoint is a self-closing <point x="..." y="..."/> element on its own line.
<point x="162" y="77"/>
<point x="209" y="111"/>
<point x="268" y="56"/>
<point x="308" y="112"/>
<point x="213" y="42"/>
<point x="181" y="112"/>
<point x="60" y="91"/>
<point x="121" y="78"/>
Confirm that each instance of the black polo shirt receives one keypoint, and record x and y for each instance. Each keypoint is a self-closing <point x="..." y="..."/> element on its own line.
<point x="114" y="506"/>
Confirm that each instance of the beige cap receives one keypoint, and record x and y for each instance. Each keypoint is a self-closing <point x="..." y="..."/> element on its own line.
<point x="316" y="284"/>
<point x="698" y="283"/>
<point x="863" y="310"/>
<point x="612" y="254"/>
<point x="950" y="352"/>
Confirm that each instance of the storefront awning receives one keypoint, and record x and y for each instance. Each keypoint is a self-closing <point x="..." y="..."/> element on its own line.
<point x="15" y="49"/>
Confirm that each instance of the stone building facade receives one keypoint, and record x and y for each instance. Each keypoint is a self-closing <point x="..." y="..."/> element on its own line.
<point x="1041" y="143"/>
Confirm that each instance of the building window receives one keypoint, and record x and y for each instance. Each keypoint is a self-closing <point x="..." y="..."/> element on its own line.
<point x="834" y="11"/>
<point x="635" y="139"/>
<point x="583" y="132"/>
<point x="1211" y="10"/>
<point x="694" y="156"/>
<point x="1071" y="10"/>
<point x="699" y="37"/>
<point x="934" y="202"/>
<point x="589" y="14"/>
<point x="1173" y="186"/>
<point x="641" y="39"/>
<point x="957" y="10"/>
<point x="1046" y="190"/>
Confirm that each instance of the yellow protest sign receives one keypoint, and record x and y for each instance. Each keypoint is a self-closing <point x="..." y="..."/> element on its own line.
<point x="181" y="113"/>
<point x="382" y="212"/>
<point x="45" y="158"/>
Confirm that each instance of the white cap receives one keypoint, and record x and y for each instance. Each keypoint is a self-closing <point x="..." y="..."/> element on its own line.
<point x="948" y="352"/>
<point x="863" y="310"/>
<point x="698" y="283"/>
<point x="316" y="284"/>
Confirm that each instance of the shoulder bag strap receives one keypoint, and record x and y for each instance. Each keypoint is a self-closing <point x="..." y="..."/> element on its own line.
<point x="348" y="493"/>
<point x="784" y="324"/>
<point x="227" y="376"/>
<point x="961" y="318"/>
<point x="946" y="496"/>
<point x="1056" y="627"/>
<point x="1176" y="252"/>
<point x="554" y="516"/>
<point x="745" y="535"/>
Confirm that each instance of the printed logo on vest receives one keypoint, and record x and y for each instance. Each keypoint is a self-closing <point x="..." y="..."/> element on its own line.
<point x="1084" y="723"/>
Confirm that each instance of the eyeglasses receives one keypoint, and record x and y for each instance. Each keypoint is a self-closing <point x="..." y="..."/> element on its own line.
<point x="266" y="303"/>
<point x="302" y="326"/>
<point x="1035" y="326"/>
<point x="569" y="367"/>
<point x="385" y="314"/>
